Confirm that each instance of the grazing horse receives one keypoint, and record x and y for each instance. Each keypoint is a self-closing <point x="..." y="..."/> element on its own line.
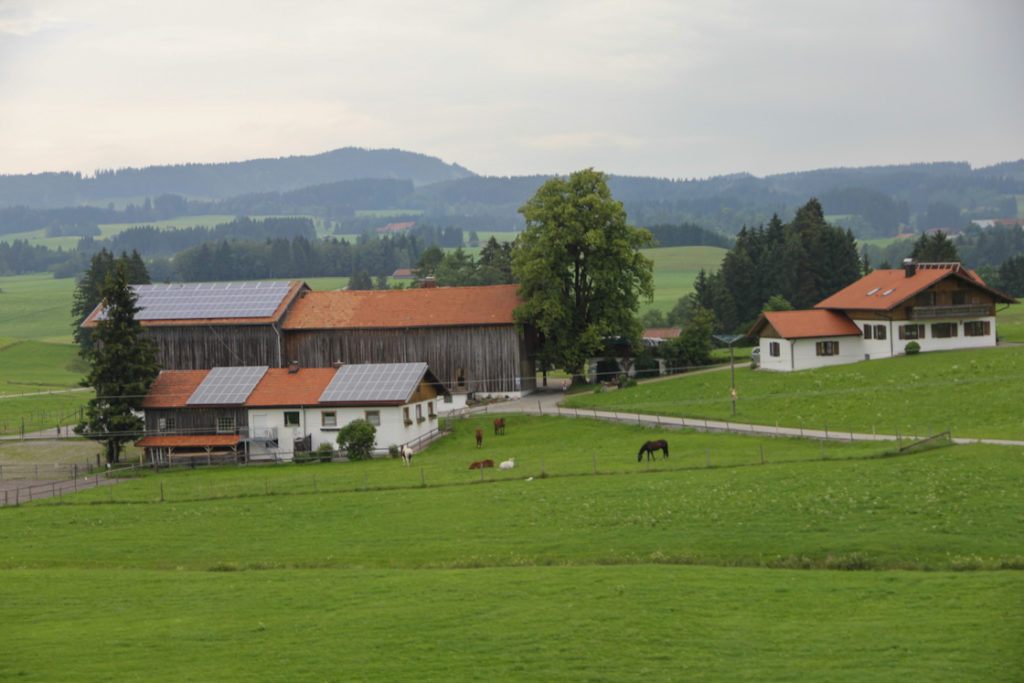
<point x="650" y="447"/>
<point x="479" y="438"/>
<point x="406" y="454"/>
<point x="499" y="425"/>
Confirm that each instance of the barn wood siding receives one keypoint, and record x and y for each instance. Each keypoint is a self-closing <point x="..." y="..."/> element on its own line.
<point x="194" y="420"/>
<point x="492" y="355"/>
<point x="202" y="348"/>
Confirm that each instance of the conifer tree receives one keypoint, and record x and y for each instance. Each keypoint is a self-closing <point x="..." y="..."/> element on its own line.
<point x="122" y="366"/>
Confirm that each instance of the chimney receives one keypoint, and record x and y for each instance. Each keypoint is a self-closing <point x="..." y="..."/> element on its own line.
<point x="293" y="367"/>
<point x="909" y="267"/>
<point x="336" y="364"/>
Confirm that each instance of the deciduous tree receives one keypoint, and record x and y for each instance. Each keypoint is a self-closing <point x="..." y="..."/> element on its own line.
<point x="580" y="269"/>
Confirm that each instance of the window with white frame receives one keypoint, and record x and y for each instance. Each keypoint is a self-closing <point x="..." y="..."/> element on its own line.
<point x="165" y="424"/>
<point x="291" y="418"/>
<point x="373" y="417"/>
<point x="419" y="412"/>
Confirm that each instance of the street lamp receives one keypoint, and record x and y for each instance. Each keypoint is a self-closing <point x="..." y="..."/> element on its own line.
<point x="731" y="339"/>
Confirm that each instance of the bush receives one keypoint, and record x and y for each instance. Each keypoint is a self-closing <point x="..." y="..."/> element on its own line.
<point x="356" y="439"/>
<point x="393" y="451"/>
<point x="911" y="348"/>
<point x="325" y="452"/>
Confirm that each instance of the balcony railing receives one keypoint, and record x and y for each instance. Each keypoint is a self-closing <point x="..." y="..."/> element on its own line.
<point x="960" y="311"/>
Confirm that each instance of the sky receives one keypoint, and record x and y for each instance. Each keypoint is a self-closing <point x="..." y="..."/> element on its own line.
<point x="672" y="89"/>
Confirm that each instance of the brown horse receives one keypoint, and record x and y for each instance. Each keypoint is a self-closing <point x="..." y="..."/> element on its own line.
<point x="499" y="425"/>
<point x="479" y="438"/>
<point x="650" y="447"/>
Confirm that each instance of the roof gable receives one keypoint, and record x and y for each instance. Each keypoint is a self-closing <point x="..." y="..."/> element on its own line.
<point x="884" y="290"/>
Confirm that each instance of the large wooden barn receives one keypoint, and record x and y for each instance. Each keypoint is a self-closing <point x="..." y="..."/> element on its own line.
<point x="467" y="335"/>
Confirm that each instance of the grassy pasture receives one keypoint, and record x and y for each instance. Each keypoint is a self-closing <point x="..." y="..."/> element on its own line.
<point x="36" y="306"/>
<point x="974" y="393"/>
<point x="675" y="269"/>
<point x="628" y="575"/>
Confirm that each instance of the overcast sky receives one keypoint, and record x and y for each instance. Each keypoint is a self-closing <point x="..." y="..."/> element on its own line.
<point x="673" y="88"/>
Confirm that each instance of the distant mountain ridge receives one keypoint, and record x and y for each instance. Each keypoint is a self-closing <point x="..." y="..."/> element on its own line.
<point x="227" y="179"/>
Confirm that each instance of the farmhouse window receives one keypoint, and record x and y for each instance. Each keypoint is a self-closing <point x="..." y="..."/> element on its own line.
<point x="405" y="416"/>
<point x="329" y="419"/>
<point x="373" y="417"/>
<point x="430" y="410"/>
<point x="879" y="331"/>
<point x="226" y="424"/>
<point x="977" y="328"/>
<point x="291" y="418"/>
<point x="942" y="330"/>
<point x="165" y="424"/>
<point x="926" y="299"/>
<point x="912" y="331"/>
<point x="867" y="331"/>
<point x="419" y="412"/>
<point x="774" y="349"/>
<point x="827" y="348"/>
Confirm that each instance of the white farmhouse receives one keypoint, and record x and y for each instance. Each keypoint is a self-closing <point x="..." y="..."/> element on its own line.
<point x="941" y="306"/>
<point x="272" y="413"/>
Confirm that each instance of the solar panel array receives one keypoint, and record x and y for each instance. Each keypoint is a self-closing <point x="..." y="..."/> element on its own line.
<point x="373" y="382"/>
<point x="227" y="386"/>
<point x="210" y="300"/>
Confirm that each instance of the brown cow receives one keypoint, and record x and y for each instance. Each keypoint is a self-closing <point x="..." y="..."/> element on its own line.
<point x="486" y="463"/>
<point x="476" y="465"/>
<point x="499" y="425"/>
<point x="479" y="438"/>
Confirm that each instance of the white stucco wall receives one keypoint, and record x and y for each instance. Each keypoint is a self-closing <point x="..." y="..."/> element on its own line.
<point x="392" y="429"/>
<point x="801" y="354"/>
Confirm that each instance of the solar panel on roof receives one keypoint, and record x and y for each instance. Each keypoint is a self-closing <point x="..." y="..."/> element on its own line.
<point x="227" y="385"/>
<point x="209" y="300"/>
<point x="373" y="382"/>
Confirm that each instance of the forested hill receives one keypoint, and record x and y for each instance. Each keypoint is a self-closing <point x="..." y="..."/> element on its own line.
<point x="224" y="180"/>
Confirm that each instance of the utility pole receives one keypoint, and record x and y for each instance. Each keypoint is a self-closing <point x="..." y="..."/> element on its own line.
<point x="731" y="339"/>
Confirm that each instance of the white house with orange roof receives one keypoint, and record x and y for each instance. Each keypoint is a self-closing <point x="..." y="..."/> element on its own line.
<point x="257" y="412"/>
<point x="940" y="306"/>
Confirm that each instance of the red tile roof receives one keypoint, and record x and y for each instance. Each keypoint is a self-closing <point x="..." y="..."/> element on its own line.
<point x="439" y="306"/>
<point x="884" y="290"/>
<point x="280" y="387"/>
<point x="805" y="324"/>
<point x="662" y="332"/>
<point x="173" y="387"/>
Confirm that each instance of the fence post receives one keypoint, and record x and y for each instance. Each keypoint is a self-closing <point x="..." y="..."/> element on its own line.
<point x="161" y="492"/>
<point x="762" y="454"/>
<point x="707" y="456"/>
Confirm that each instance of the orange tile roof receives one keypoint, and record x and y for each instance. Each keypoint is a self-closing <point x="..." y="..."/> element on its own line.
<point x="884" y="290"/>
<point x="805" y="324"/>
<point x="188" y="440"/>
<point x="172" y="388"/>
<point x="438" y="306"/>
<point x="280" y="387"/>
<point x="662" y="332"/>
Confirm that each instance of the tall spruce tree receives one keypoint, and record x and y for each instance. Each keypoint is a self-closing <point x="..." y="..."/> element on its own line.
<point x="122" y="366"/>
<point x="88" y="291"/>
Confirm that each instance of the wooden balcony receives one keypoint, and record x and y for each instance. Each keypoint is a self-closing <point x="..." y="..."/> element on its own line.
<point x="960" y="311"/>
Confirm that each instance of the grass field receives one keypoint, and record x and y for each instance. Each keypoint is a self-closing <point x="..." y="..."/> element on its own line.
<point x="680" y="571"/>
<point x="973" y="393"/>
<point x="675" y="269"/>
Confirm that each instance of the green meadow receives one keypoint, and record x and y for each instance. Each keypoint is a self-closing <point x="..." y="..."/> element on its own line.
<point x="973" y="393"/>
<point x="861" y="565"/>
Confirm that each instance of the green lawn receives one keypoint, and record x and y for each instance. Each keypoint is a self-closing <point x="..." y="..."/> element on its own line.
<point x="973" y="393"/>
<point x="680" y="571"/>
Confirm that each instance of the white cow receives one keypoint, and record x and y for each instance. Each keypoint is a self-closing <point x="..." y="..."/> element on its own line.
<point x="507" y="464"/>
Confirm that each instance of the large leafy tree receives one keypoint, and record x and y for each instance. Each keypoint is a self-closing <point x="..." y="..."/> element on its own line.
<point x="580" y="269"/>
<point x="122" y="366"/>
